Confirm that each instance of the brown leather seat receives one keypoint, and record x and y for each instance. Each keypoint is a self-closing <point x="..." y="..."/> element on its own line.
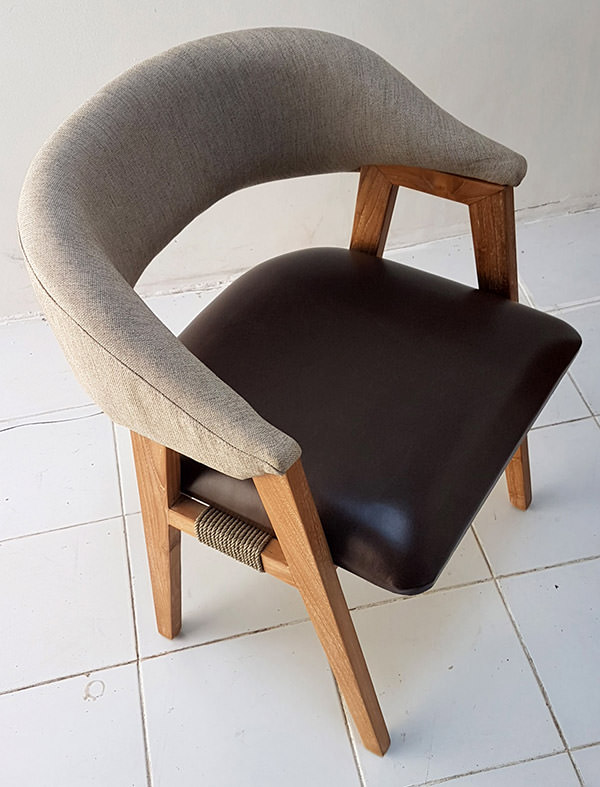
<point x="406" y="391"/>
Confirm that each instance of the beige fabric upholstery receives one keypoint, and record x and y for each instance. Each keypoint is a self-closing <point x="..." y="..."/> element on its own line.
<point x="159" y="145"/>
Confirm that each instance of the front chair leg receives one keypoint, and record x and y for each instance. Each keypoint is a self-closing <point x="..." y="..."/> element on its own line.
<point x="291" y="509"/>
<point x="157" y="470"/>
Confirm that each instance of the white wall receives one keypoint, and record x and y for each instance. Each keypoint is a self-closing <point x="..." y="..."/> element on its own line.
<point x="526" y="72"/>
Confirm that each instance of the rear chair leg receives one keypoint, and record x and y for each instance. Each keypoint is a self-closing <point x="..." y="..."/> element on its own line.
<point x="289" y="504"/>
<point x="518" y="477"/>
<point x="493" y="230"/>
<point x="157" y="470"/>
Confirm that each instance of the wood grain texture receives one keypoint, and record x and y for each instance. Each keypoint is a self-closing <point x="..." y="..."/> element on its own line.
<point x="291" y="509"/>
<point x="518" y="478"/>
<point x="184" y="512"/>
<point x="275" y="564"/>
<point x="440" y="184"/>
<point x="494" y="243"/>
<point x="374" y="207"/>
<point x="157" y="470"/>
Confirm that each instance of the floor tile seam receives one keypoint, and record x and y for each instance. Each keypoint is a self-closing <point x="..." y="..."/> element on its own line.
<point x="228" y="638"/>
<point x="184" y="289"/>
<point x="532" y="666"/>
<point x="48" y="412"/>
<point x="491" y="769"/>
<point x="576" y="769"/>
<point x="62" y="678"/>
<point x="9" y="319"/>
<point x="143" y="716"/>
<point x="580" y="392"/>
<point x="556" y="309"/>
<point x="144" y="720"/>
<point x="432" y="591"/>
<point x="298" y="621"/>
<point x="216" y="284"/>
<point x="582" y="746"/>
<point x="9" y="427"/>
<point x="523" y="286"/>
<point x="351" y="740"/>
<point x="529" y="657"/>
<point x="538" y="569"/>
<point x="572" y="306"/>
<point x="482" y="551"/>
<point x="11" y="539"/>
<point x="566" y="421"/>
<point x="575" y="211"/>
<point x="209" y="285"/>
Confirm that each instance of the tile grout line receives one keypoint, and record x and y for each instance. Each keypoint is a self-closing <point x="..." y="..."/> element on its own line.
<point x="557" y="311"/>
<point x="575" y="561"/>
<point x="581" y="394"/>
<point x="449" y="779"/>
<point x="432" y="591"/>
<point x="532" y="666"/>
<point x="525" y="289"/>
<point x="445" y="779"/>
<point x="585" y="746"/>
<point x="209" y="285"/>
<point x="351" y="740"/>
<point x="572" y="306"/>
<point x="46" y="423"/>
<point x="576" y="768"/>
<point x="299" y="621"/>
<point x="475" y="582"/>
<point x="566" y="421"/>
<point x="48" y="412"/>
<point x="59" y="529"/>
<point x="295" y="622"/>
<point x="217" y="641"/>
<point x="133" y="613"/>
<point x="62" y="678"/>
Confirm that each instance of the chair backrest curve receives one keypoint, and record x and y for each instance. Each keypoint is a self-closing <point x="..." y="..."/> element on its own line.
<point x="160" y="144"/>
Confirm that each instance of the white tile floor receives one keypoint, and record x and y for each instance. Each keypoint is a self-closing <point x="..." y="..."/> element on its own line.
<point x="490" y="679"/>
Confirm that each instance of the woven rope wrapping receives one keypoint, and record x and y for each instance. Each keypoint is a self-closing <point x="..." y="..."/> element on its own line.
<point x="232" y="536"/>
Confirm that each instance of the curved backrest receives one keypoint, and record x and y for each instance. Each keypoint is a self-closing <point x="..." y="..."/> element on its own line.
<point x="163" y="142"/>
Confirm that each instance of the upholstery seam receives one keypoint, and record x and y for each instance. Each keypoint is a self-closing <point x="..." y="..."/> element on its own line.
<point x="149" y="384"/>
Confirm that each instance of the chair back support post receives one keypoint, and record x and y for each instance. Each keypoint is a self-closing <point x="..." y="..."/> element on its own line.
<point x="494" y="243"/>
<point x="374" y="208"/>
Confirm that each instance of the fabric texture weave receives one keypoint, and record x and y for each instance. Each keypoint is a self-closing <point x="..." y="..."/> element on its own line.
<point x="159" y="145"/>
<point x="232" y="536"/>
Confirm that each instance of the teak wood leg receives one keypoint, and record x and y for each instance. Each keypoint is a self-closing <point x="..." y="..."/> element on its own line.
<point x="291" y="509"/>
<point x="493" y="228"/>
<point x="518" y="478"/>
<point x="157" y="470"/>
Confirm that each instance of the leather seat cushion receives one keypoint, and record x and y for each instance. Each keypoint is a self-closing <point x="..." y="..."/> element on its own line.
<point x="407" y="392"/>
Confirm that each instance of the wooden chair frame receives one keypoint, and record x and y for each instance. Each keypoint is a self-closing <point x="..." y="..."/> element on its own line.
<point x="299" y="554"/>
